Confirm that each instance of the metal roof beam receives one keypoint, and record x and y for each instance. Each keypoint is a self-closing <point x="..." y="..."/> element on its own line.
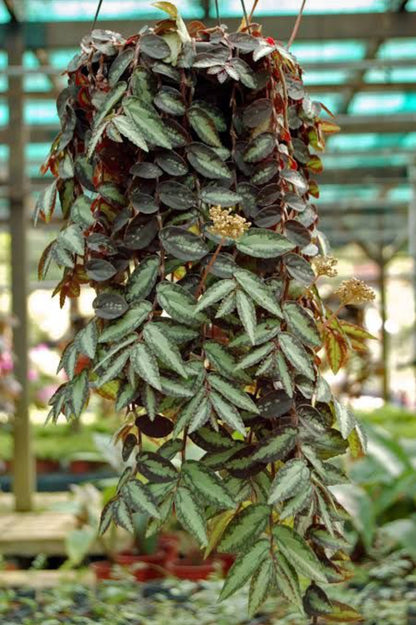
<point x="313" y="28"/>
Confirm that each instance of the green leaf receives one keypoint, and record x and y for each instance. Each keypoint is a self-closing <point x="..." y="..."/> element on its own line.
<point x="46" y="203"/>
<point x="265" y="331"/>
<point x="227" y="306"/>
<point x="87" y="339"/>
<point x="214" y="293"/>
<point x="263" y="243"/>
<point x="130" y="321"/>
<point x="260" y="147"/>
<point x="296" y="355"/>
<point x="289" y="480"/>
<point x="227" y="412"/>
<point x="71" y="239"/>
<point x="233" y="394"/>
<point x="81" y="212"/>
<point x="176" y="195"/>
<point x="105" y="518"/>
<point x="214" y="194"/>
<point x="297" y="503"/>
<point x="258" y="291"/>
<point x="206" y="161"/>
<point x="113" y="369"/>
<point x="301" y="323"/>
<point x="154" y="46"/>
<point x="179" y="333"/>
<point x="244" y="567"/>
<point x="182" y="243"/>
<point x="255" y="356"/>
<point x="148" y="121"/>
<point x="205" y="482"/>
<point x="169" y="100"/>
<point x="298" y="553"/>
<point x="345" y="418"/>
<point x="125" y="396"/>
<point x="78" y="392"/>
<point x="143" y="278"/>
<point x="284" y="374"/>
<point x="109" y="102"/>
<point x="156" y="468"/>
<point x="287" y="580"/>
<point x="276" y="447"/>
<point x="204" y="126"/>
<point x="300" y="269"/>
<point x="109" y="305"/>
<point x="244" y="528"/>
<point x="139" y="498"/>
<point x="145" y="365"/>
<point x="247" y="313"/>
<point x="190" y="515"/>
<point x="316" y="602"/>
<point x="99" y="270"/>
<point x="260" y="585"/>
<point x="122" y="515"/>
<point x="149" y="401"/>
<point x="163" y="348"/>
<point x="201" y="415"/>
<point x="223" y="362"/>
<point x="129" y="129"/>
<point x="175" y="388"/>
<point x="179" y="304"/>
<point x="119" y="66"/>
<point x="188" y="412"/>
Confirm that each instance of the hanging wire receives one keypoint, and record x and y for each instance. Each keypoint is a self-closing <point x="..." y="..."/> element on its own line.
<point x="97" y="13"/>
<point x="296" y="26"/>
<point x="217" y="11"/>
<point x="243" y="6"/>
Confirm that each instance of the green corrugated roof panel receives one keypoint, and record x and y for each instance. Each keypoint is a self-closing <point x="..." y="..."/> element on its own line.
<point x="354" y="162"/>
<point x="84" y="10"/>
<point x="326" y="77"/>
<point x="383" y="103"/>
<point x="291" y="7"/>
<point x="398" y="49"/>
<point x="371" y="141"/>
<point x="314" y="52"/>
<point x="392" y="74"/>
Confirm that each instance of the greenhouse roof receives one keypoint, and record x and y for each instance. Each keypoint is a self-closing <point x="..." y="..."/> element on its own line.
<point x="359" y="59"/>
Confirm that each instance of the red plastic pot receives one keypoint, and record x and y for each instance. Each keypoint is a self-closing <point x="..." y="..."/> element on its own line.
<point x="143" y="567"/>
<point x="44" y="465"/>
<point x="102" y="569"/>
<point x="77" y="467"/>
<point x="226" y="560"/>
<point x="169" y="543"/>
<point x="185" y="569"/>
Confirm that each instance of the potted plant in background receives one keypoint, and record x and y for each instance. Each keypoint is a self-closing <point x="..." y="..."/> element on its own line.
<point x="185" y="173"/>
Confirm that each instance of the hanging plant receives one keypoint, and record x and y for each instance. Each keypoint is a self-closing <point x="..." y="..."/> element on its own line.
<point x="184" y="171"/>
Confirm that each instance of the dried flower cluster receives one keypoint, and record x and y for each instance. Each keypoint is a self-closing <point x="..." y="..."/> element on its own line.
<point x="354" y="291"/>
<point x="325" y="266"/>
<point x="227" y="225"/>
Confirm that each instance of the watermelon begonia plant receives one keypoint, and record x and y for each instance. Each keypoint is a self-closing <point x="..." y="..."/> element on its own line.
<point x="184" y="170"/>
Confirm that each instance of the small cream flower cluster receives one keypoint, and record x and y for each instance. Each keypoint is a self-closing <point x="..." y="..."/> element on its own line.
<point x="325" y="266"/>
<point x="226" y="225"/>
<point x="355" y="291"/>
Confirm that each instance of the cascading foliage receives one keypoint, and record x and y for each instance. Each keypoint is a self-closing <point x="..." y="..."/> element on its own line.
<point x="184" y="173"/>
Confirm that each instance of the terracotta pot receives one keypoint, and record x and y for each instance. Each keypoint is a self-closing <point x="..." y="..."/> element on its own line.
<point x="102" y="569"/>
<point x="226" y="560"/>
<point x="77" y="467"/>
<point x="169" y="543"/>
<point x="44" y="465"/>
<point x="143" y="567"/>
<point x="184" y="569"/>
